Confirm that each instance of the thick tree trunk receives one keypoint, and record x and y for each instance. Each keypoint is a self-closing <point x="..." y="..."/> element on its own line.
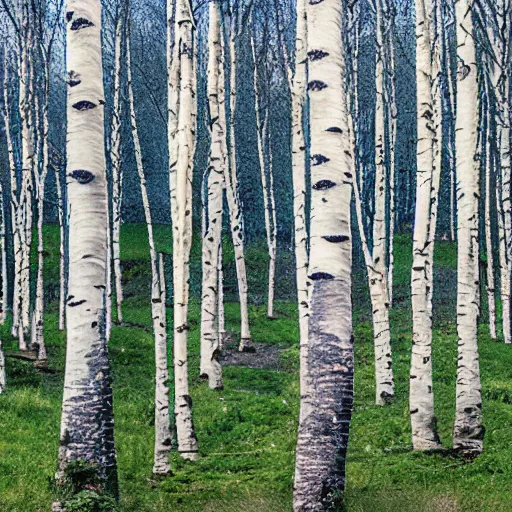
<point x="181" y="169"/>
<point x="468" y="430"/>
<point x="212" y="234"/>
<point x="421" y="397"/>
<point x="221" y="321"/>
<point x="325" y="422"/>
<point x="87" y="428"/>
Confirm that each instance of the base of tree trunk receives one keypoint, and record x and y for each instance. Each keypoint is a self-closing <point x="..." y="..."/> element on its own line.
<point x="192" y="456"/>
<point x="246" y="345"/>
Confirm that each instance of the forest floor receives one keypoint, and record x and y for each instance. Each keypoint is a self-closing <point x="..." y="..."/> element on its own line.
<point x="247" y="431"/>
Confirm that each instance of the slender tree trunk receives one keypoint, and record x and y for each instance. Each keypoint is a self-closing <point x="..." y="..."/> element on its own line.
<point x="299" y="193"/>
<point x="212" y="234"/>
<point x="468" y="430"/>
<point x="3" y="381"/>
<point x="16" y="216"/>
<point x="117" y="174"/>
<point x="158" y="312"/>
<point x="421" y="397"/>
<point x="501" y="82"/>
<point x="3" y="239"/>
<point x="87" y="428"/>
<point x="221" y="322"/>
<point x="181" y="168"/>
<point x="325" y="422"/>
<point x="62" y="252"/>
<point x="235" y="212"/>
<point x="490" y="288"/>
<point x="262" y="130"/>
<point x="38" y="331"/>
<point x="378" y="275"/>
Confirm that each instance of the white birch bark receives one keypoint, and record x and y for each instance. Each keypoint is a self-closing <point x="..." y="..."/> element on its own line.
<point x="262" y="131"/>
<point x="3" y="241"/>
<point x="158" y="312"/>
<point x="378" y="275"/>
<point x="212" y="234"/>
<point x="489" y="205"/>
<point x="181" y="167"/>
<point x="16" y="216"/>
<point x="421" y="392"/>
<point x="233" y="200"/>
<point x="221" y="318"/>
<point x="299" y="193"/>
<point x="38" y="342"/>
<point x="501" y="83"/>
<point x="3" y="381"/>
<point x="87" y="428"/>
<point x="117" y="172"/>
<point x="324" y="427"/>
<point x="468" y="430"/>
<point x="62" y="252"/>
<point x="26" y="100"/>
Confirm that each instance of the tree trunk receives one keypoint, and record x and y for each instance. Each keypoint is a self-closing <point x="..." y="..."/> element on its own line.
<point x="212" y="234"/>
<point x="235" y="212"/>
<point x="158" y="311"/>
<point x="324" y="428"/>
<point x="421" y="392"/>
<point x="299" y="193"/>
<point x="117" y="174"/>
<point x="87" y="428"/>
<point x="62" y="253"/>
<point x="3" y="241"/>
<point x="181" y="168"/>
<point x="378" y="274"/>
<point x="468" y="430"/>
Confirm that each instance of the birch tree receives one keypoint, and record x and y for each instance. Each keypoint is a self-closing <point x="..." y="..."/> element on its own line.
<point x="212" y="233"/>
<point x="325" y="422"/>
<point x="468" y="430"/>
<point x="87" y="428"/>
<point x="3" y="255"/>
<point x="299" y="191"/>
<point x="233" y="199"/>
<point x="117" y="175"/>
<point x="421" y="397"/>
<point x="182" y="125"/>
<point x="158" y="312"/>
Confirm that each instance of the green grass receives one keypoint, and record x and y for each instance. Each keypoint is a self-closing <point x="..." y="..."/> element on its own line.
<point x="247" y="432"/>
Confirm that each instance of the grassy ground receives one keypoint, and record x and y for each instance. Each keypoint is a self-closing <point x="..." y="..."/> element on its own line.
<point x="247" y="432"/>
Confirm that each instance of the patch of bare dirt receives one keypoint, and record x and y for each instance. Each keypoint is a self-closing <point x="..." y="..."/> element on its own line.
<point x="262" y="356"/>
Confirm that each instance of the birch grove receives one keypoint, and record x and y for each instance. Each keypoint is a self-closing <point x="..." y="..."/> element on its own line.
<point x="244" y="220"/>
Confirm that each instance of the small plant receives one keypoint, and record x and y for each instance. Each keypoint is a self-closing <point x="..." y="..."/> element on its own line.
<point x="90" y="501"/>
